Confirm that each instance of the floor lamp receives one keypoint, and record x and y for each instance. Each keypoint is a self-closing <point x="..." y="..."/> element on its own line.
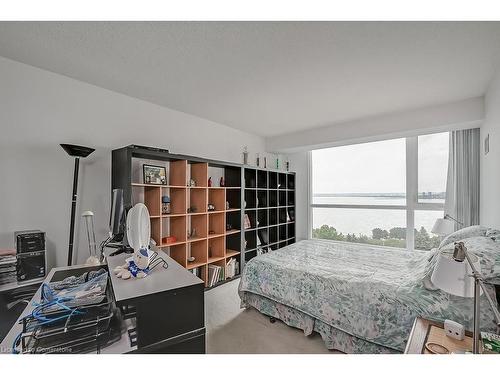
<point x="77" y="152"/>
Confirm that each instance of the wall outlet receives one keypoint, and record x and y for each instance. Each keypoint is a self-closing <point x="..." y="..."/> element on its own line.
<point x="454" y="330"/>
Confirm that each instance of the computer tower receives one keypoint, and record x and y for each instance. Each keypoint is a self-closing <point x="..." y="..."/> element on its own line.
<point x="30" y="248"/>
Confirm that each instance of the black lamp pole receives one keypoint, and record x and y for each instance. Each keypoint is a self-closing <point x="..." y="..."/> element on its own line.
<point x="77" y="152"/>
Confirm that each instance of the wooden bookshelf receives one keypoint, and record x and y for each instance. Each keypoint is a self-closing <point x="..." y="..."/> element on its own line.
<point x="211" y="237"/>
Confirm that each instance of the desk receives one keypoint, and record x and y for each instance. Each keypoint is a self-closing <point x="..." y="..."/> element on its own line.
<point x="169" y="307"/>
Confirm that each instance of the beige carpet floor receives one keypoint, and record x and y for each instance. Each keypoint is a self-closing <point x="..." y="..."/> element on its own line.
<point x="234" y="330"/>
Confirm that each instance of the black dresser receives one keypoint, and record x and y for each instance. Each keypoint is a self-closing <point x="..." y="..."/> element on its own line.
<point x="168" y="306"/>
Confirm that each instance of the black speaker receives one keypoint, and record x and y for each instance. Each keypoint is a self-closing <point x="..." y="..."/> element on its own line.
<point x="30" y="247"/>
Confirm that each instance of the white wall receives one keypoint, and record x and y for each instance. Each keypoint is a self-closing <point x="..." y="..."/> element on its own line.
<point x="39" y="110"/>
<point x="490" y="163"/>
<point x="299" y="162"/>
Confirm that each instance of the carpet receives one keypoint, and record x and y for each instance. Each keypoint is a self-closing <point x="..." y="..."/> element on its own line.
<point x="232" y="330"/>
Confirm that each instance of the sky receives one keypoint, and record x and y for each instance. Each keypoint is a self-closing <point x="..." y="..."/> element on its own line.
<point x="380" y="167"/>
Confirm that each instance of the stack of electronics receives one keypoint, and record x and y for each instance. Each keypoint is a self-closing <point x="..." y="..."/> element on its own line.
<point x="7" y="266"/>
<point x="30" y="248"/>
<point x="75" y="315"/>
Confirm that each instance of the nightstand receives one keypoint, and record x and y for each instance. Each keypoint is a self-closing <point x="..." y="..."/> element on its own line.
<point x="425" y="330"/>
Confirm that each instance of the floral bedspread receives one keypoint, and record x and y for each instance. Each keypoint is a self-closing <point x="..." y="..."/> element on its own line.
<point x="369" y="292"/>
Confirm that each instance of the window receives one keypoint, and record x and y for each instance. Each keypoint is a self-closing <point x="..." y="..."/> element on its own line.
<point x="369" y="173"/>
<point x="433" y="150"/>
<point x="386" y="193"/>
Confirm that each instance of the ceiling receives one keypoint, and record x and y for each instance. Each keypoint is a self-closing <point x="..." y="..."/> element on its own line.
<point x="268" y="78"/>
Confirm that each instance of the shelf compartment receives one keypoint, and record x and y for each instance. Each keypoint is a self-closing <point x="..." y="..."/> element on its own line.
<point x="233" y="242"/>
<point x="177" y="199"/>
<point x="252" y="217"/>
<point x="250" y="240"/>
<point x="216" y="224"/>
<point x="282" y="232"/>
<point x="273" y="198"/>
<point x="291" y="198"/>
<point x="231" y="253"/>
<point x="281" y="181"/>
<point x="250" y="199"/>
<point x="291" y="181"/>
<point x="216" y="248"/>
<point x="199" y="225"/>
<point x="282" y="215"/>
<point x="262" y="218"/>
<point x="282" y="198"/>
<point x="179" y="254"/>
<point x="177" y="228"/>
<point x="273" y="234"/>
<point x="199" y="251"/>
<point x="250" y="178"/>
<point x="152" y="200"/>
<point x="198" y="200"/>
<point x="273" y="216"/>
<point x="156" y="229"/>
<point x="263" y="237"/>
<point x="273" y="180"/>
<point x="261" y="179"/>
<point x="217" y="197"/>
<point x="233" y="197"/>
<point x="232" y="176"/>
<point x="199" y="173"/>
<point x="177" y="173"/>
<point x="261" y="198"/>
<point x="291" y="214"/>
<point x="291" y="230"/>
<point x="233" y="220"/>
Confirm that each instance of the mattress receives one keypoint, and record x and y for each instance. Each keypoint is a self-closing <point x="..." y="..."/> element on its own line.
<point x="367" y="292"/>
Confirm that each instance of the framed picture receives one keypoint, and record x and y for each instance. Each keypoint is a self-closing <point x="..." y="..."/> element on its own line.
<point x="154" y="174"/>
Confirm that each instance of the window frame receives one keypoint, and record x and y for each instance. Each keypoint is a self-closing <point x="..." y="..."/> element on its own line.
<point x="412" y="203"/>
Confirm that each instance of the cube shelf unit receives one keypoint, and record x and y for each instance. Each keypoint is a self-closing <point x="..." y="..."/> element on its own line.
<point x="269" y="202"/>
<point x="211" y="237"/>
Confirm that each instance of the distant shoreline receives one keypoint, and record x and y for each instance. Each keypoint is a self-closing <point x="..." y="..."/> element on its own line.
<point x="429" y="195"/>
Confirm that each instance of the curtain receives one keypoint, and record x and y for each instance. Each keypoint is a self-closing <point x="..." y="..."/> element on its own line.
<point x="462" y="188"/>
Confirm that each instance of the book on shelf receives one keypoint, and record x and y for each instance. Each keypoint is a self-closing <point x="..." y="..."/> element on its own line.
<point x="231" y="268"/>
<point x="216" y="274"/>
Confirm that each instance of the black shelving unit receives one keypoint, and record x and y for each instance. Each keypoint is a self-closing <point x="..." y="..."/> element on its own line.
<point x="269" y="202"/>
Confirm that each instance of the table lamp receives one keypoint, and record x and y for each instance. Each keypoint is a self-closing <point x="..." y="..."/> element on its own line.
<point x="459" y="274"/>
<point x="443" y="227"/>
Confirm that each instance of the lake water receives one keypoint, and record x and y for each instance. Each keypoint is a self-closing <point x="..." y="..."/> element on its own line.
<point x="362" y="221"/>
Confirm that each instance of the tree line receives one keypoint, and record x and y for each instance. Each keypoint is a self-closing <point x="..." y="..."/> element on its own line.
<point x="394" y="237"/>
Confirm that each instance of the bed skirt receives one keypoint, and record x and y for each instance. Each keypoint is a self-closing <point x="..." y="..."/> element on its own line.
<point x="335" y="339"/>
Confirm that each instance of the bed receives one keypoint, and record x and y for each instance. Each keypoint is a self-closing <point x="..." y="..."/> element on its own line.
<point x="359" y="298"/>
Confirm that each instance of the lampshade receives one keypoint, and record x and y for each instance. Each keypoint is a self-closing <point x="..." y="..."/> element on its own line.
<point x="443" y="227"/>
<point x="453" y="277"/>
